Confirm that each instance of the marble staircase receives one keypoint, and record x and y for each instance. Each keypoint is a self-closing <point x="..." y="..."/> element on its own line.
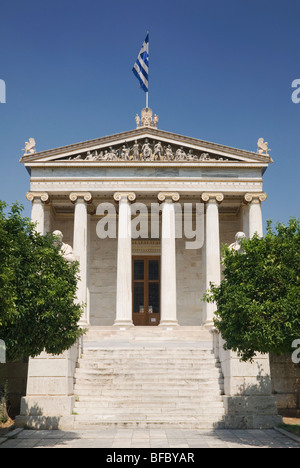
<point x="148" y="377"/>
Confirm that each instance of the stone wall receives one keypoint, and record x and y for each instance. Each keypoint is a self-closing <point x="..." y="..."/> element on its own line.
<point x="102" y="279"/>
<point x="14" y="376"/>
<point x="286" y="385"/>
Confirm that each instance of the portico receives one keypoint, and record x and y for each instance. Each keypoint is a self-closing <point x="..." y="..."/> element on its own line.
<point x="145" y="213"/>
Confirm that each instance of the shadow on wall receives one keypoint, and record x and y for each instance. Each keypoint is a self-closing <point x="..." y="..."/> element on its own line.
<point x="286" y="385"/>
<point x="13" y="378"/>
<point x="253" y="406"/>
<point x="36" y="419"/>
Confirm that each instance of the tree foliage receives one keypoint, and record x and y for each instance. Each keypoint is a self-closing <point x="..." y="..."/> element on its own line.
<point x="258" y="301"/>
<point x="38" y="309"/>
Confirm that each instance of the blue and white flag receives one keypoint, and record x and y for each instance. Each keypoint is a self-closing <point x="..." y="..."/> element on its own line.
<point x="141" y="66"/>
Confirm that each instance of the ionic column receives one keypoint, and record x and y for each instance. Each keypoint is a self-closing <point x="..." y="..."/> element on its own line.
<point x="80" y="247"/>
<point x="38" y="211"/>
<point x="124" y="273"/>
<point x="255" y="216"/>
<point x="168" y="260"/>
<point x="212" y="247"/>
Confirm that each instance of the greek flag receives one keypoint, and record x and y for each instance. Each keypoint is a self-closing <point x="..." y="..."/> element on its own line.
<point x="141" y="66"/>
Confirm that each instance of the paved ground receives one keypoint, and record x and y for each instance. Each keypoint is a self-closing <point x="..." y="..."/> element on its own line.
<point x="151" y="438"/>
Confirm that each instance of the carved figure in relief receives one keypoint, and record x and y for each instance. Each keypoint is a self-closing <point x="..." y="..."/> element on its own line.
<point x="191" y="156"/>
<point x="169" y="155"/>
<point x="136" y="151"/>
<point x="204" y="157"/>
<point x="89" y="156"/>
<point x="158" y="151"/>
<point x="147" y="150"/>
<point x="112" y="154"/>
<point x="180" y="154"/>
<point x="125" y="153"/>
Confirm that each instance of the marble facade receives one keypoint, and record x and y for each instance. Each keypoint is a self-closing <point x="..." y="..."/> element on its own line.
<point x="149" y="166"/>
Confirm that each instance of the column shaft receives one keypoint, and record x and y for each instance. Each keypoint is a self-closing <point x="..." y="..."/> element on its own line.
<point x="80" y="248"/>
<point x="38" y="209"/>
<point x="255" y="215"/>
<point x="212" y="248"/>
<point x="124" y="261"/>
<point x="168" y="261"/>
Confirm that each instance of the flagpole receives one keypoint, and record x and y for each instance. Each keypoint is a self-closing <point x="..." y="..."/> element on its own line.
<point x="147" y="93"/>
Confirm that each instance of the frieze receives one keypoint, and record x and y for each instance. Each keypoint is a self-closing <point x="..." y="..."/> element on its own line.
<point x="147" y="185"/>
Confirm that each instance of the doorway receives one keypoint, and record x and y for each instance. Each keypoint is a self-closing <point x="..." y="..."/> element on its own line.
<point x="146" y="290"/>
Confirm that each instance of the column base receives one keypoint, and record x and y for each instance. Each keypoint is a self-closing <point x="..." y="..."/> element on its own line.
<point x="169" y="323"/>
<point x="123" y="323"/>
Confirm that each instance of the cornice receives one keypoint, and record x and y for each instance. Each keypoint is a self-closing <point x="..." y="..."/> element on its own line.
<point x="140" y="133"/>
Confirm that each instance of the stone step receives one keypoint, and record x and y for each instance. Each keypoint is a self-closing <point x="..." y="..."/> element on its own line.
<point x="130" y="348"/>
<point x="148" y="381"/>
<point x="146" y="405"/>
<point x="97" y="425"/>
<point x="148" y="377"/>
<point x="135" y="333"/>
<point x="140" y="414"/>
<point x="162" y="421"/>
<point x="83" y="372"/>
<point x="130" y="392"/>
<point x="145" y="398"/>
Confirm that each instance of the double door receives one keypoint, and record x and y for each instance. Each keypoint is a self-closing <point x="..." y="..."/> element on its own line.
<point x="146" y="291"/>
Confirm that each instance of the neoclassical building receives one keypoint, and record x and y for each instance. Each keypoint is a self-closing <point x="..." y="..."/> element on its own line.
<point x="184" y="198"/>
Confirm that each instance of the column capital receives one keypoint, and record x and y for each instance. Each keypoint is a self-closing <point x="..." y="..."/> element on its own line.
<point x="170" y="196"/>
<point x="74" y="196"/>
<point x="255" y="197"/>
<point x="43" y="196"/>
<point x="209" y="197"/>
<point x="118" y="196"/>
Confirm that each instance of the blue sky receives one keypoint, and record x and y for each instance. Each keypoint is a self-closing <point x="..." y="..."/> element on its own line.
<point x="220" y="70"/>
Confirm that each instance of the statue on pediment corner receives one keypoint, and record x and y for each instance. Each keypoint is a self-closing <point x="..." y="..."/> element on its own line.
<point x="137" y="120"/>
<point x="263" y="147"/>
<point x="30" y="147"/>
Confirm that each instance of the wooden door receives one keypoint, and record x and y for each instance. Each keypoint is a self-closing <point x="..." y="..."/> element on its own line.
<point x="146" y="291"/>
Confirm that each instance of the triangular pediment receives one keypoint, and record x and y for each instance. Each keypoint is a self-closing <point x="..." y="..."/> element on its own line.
<point x="145" y="145"/>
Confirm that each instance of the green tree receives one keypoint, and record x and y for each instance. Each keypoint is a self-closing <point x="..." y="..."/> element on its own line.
<point x="258" y="300"/>
<point x="38" y="309"/>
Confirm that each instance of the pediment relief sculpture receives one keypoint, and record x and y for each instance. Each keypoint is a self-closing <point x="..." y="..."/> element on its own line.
<point x="146" y="150"/>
